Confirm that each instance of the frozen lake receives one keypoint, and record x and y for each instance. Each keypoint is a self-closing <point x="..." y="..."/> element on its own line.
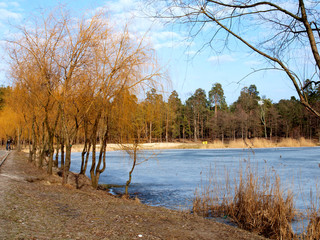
<point x="170" y="178"/>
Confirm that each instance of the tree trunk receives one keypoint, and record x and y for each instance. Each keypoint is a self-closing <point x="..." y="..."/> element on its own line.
<point x="56" y="161"/>
<point x="62" y="153"/>
<point x="67" y="161"/>
<point x="265" y="131"/>
<point x="93" y="164"/>
<point x="30" y="148"/>
<point x="43" y="148"/>
<point x="133" y="166"/>
<point x="195" y="129"/>
<point x="102" y="156"/>
<point x="150" y="135"/>
<point x="85" y="158"/>
<point x="131" y="171"/>
<point x="51" y="128"/>
<point x="167" y="126"/>
<point x="86" y="150"/>
<point x="216" y="105"/>
<point x="93" y="175"/>
<point x="50" y="153"/>
<point x="18" y="143"/>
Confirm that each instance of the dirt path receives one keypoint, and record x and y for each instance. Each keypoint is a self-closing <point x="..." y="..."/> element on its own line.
<point x="34" y="205"/>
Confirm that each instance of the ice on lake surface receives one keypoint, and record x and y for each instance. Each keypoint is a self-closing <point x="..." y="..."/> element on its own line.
<point x="170" y="177"/>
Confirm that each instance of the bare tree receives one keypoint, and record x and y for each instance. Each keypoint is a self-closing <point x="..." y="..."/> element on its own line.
<point x="279" y="31"/>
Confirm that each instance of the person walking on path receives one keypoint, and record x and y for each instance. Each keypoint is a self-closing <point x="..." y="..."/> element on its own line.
<point x="8" y="144"/>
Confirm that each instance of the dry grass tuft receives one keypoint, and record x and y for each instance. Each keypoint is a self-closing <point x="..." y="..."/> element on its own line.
<point x="137" y="200"/>
<point x="266" y="143"/>
<point x="313" y="229"/>
<point x="262" y="143"/>
<point x="239" y="143"/>
<point x="313" y="215"/>
<point x="262" y="208"/>
<point x="252" y="143"/>
<point x="218" y="144"/>
<point x="290" y="142"/>
<point x="255" y="204"/>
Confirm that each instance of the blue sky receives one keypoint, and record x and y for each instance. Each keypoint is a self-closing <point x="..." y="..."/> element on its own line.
<point x="188" y="69"/>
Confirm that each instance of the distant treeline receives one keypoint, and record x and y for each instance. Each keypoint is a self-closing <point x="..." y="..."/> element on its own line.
<point x="207" y="116"/>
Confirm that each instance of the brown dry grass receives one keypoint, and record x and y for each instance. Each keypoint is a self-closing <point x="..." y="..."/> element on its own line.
<point x="266" y="143"/>
<point x="216" y="144"/>
<point x="313" y="228"/>
<point x="254" y="203"/>
<point x="302" y="142"/>
<point x="261" y="208"/>
<point x="239" y="143"/>
<point x="258" y="204"/>
<point x="312" y="231"/>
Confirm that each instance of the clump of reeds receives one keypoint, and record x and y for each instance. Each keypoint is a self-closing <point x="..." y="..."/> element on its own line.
<point x="261" y="143"/>
<point x="214" y="145"/>
<point x="252" y="143"/>
<point x="312" y="231"/>
<point x="208" y="198"/>
<point x="262" y="207"/>
<point x="239" y="143"/>
<point x="266" y="143"/>
<point x="290" y="142"/>
<point x="257" y="204"/>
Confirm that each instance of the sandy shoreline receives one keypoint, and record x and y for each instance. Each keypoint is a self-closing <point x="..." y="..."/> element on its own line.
<point x="249" y="143"/>
<point x="240" y="144"/>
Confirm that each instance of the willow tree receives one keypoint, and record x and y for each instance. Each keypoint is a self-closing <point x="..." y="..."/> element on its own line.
<point x="284" y="33"/>
<point x="127" y="127"/>
<point x="123" y="62"/>
<point x="22" y="102"/>
<point x="13" y="116"/>
<point x="70" y="70"/>
<point x="10" y="124"/>
<point x="76" y="58"/>
<point x="34" y="66"/>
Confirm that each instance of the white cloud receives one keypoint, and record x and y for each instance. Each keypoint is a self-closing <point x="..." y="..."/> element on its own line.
<point x="252" y="63"/>
<point x="14" y="4"/>
<point x="9" y="12"/>
<point x="170" y="44"/>
<point x="190" y="53"/>
<point x="121" y="5"/>
<point x="222" y="58"/>
<point x="134" y="13"/>
<point x="7" y="15"/>
<point x="128" y="11"/>
<point x="165" y="35"/>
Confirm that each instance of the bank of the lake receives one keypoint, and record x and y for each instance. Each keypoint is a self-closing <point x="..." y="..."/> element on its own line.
<point x="170" y="177"/>
<point x="218" y="144"/>
<point x="36" y="206"/>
